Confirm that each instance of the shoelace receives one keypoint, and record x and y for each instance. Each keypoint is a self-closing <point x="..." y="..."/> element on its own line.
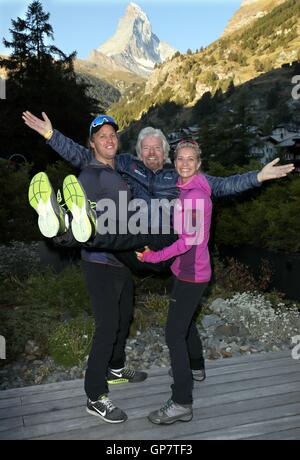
<point x="59" y="200"/>
<point x="167" y="406"/>
<point x="107" y="403"/>
<point x="93" y="205"/>
<point x="128" y="372"/>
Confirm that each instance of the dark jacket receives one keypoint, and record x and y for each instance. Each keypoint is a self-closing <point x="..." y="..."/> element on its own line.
<point x="143" y="182"/>
<point x="100" y="182"/>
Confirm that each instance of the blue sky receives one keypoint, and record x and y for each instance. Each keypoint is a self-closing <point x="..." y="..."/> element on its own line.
<point x="83" y="25"/>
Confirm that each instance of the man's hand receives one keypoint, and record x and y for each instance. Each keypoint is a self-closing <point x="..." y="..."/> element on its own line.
<point x="270" y="171"/>
<point x="35" y="123"/>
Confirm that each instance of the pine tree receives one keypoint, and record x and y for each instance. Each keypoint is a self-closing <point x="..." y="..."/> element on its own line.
<point x="40" y="78"/>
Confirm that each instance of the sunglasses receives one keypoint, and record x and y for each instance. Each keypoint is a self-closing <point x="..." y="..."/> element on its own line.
<point x="189" y="141"/>
<point x="103" y="120"/>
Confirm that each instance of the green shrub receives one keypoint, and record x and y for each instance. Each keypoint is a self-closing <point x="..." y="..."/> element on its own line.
<point x="231" y="277"/>
<point x="17" y="222"/>
<point x="151" y="310"/>
<point x="70" y="343"/>
<point x="270" y="221"/>
<point x="61" y="292"/>
<point x="32" y="308"/>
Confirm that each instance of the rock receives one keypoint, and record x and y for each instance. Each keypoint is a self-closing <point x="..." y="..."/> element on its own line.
<point x="218" y="306"/>
<point x="234" y="347"/>
<point x="210" y="320"/>
<point x="213" y="353"/>
<point x="226" y="354"/>
<point x="245" y="349"/>
<point x="226" y="330"/>
<point x="32" y="349"/>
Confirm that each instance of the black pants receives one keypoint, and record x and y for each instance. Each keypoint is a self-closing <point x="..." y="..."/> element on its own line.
<point x="111" y="292"/>
<point x="122" y="247"/>
<point x="183" y="339"/>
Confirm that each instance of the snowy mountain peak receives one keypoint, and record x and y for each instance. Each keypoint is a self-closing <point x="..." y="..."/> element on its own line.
<point x="134" y="45"/>
<point x="133" y="6"/>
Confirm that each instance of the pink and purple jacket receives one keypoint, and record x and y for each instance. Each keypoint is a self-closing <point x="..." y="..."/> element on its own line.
<point x="194" y="206"/>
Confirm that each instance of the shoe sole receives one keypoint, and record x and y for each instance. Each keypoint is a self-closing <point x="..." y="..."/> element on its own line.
<point x="105" y="419"/>
<point x="186" y="418"/>
<point x="118" y="381"/>
<point x="77" y="203"/>
<point x="39" y="194"/>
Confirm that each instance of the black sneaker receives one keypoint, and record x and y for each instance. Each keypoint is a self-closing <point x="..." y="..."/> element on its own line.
<point x="199" y="375"/>
<point x="105" y="409"/>
<point x="125" y="375"/>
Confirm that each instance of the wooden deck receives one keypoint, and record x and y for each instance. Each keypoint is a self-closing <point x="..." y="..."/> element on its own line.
<point x="251" y="397"/>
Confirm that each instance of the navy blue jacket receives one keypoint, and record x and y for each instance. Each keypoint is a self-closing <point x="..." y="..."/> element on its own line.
<point x="101" y="181"/>
<point x="145" y="183"/>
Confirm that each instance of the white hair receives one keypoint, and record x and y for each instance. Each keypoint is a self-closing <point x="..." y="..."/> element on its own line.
<point x="149" y="131"/>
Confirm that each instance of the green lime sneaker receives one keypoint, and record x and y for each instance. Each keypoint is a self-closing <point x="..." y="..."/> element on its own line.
<point x="53" y="219"/>
<point x="83" y="223"/>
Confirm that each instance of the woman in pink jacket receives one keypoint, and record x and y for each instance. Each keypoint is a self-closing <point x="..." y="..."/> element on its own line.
<point x="192" y="272"/>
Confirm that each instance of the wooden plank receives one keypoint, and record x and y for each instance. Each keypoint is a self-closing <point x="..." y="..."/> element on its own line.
<point x="253" y="357"/>
<point x="11" y="423"/>
<point x="68" y="425"/>
<point x="134" y="392"/>
<point x="291" y="434"/>
<point x="205" y="412"/>
<point x="153" y="384"/>
<point x="236" y="390"/>
<point x="140" y="429"/>
<point x="46" y="388"/>
<point x="244" y="431"/>
<point x="279" y="393"/>
<point x="47" y="406"/>
<point x="49" y="428"/>
<point x="211" y="364"/>
<point x="252" y="366"/>
<point x="43" y="394"/>
<point x="228" y="423"/>
<point x="11" y="402"/>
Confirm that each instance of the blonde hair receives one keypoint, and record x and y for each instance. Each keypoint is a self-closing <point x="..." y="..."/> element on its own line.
<point x="190" y="144"/>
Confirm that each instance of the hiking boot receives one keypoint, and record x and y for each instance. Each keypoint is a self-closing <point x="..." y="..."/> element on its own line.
<point x="84" y="217"/>
<point x="53" y="219"/>
<point x="125" y="375"/>
<point x="199" y="375"/>
<point x="171" y="412"/>
<point x="105" y="409"/>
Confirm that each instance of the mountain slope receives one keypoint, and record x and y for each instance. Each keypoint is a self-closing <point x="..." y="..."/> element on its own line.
<point x="104" y="68"/>
<point x="265" y="44"/>
<point x="249" y="11"/>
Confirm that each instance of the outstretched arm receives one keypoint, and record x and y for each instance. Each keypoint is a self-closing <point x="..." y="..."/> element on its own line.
<point x="238" y="183"/>
<point x="76" y="154"/>
<point x="271" y="171"/>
